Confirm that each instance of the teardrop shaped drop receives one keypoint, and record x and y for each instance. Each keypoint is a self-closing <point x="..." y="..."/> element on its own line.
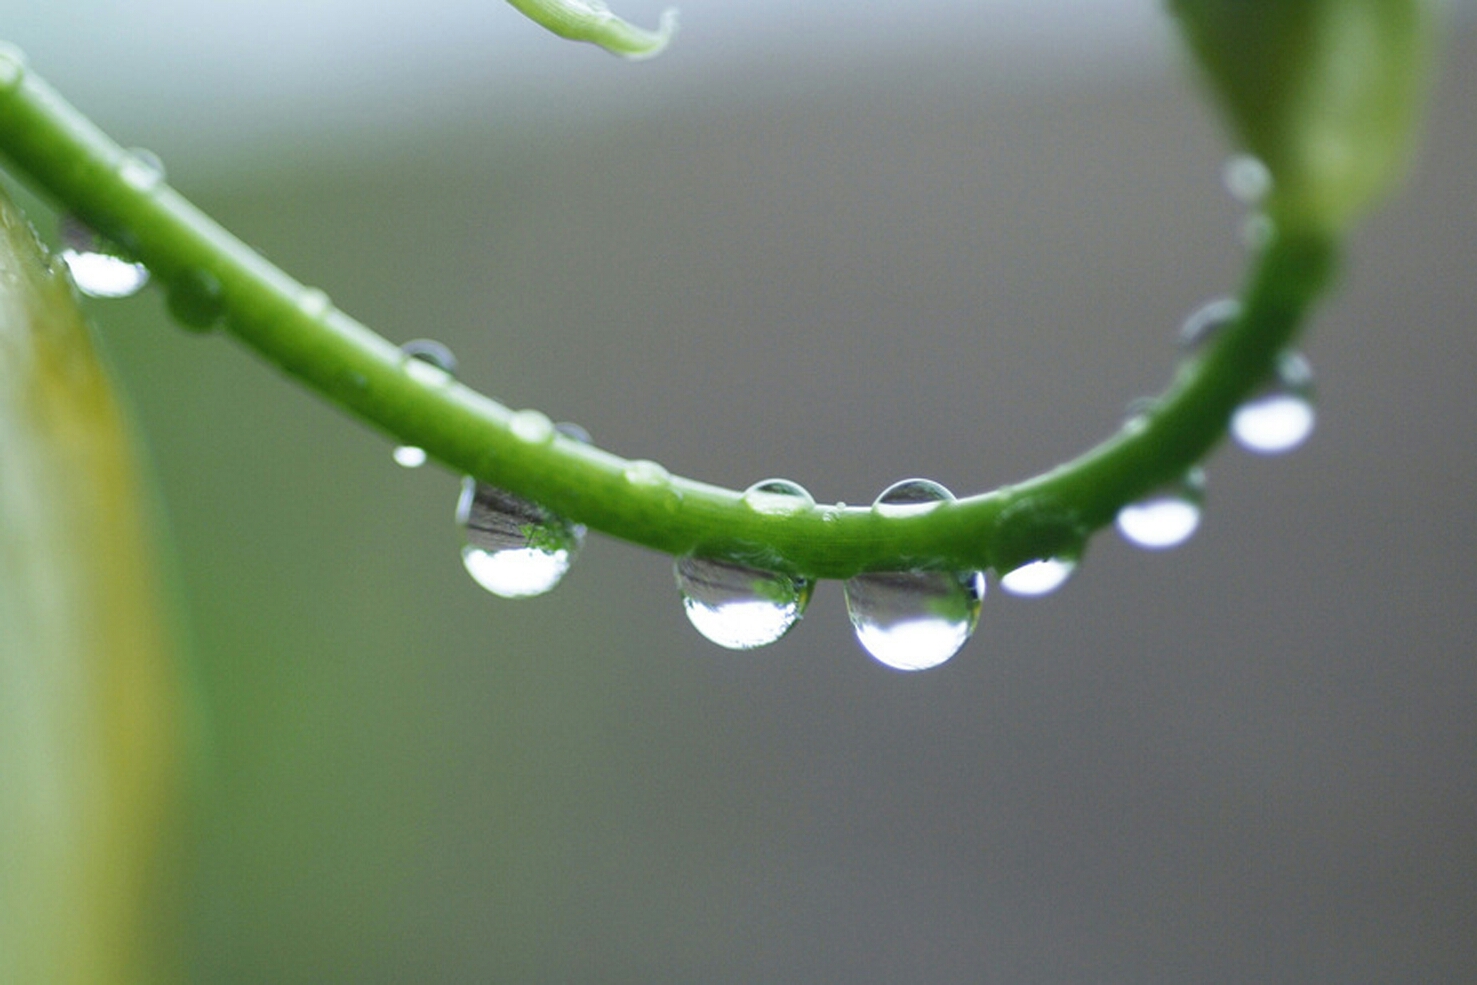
<point x="914" y="620"/>
<point x="97" y="271"/>
<point x="1166" y="518"/>
<point x="515" y="549"/>
<point x="1038" y="577"/>
<point x="1281" y="417"/>
<point x="740" y="607"/>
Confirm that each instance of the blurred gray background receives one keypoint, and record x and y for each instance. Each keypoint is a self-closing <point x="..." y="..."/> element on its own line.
<point x="940" y="238"/>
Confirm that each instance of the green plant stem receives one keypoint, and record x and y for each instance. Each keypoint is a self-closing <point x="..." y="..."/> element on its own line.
<point x="293" y="326"/>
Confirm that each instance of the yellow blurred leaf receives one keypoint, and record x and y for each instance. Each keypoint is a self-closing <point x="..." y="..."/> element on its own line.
<point x="89" y="711"/>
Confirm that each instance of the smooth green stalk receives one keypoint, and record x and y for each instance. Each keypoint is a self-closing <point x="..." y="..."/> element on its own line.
<point x="208" y="273"/>
<point x="592" y="21"/>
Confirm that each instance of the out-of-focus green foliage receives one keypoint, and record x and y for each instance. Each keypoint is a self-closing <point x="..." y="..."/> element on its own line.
<point x="88" y="705"/>
<point x="1325" y="92"/>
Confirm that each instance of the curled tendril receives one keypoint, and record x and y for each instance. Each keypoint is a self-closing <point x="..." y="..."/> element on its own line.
<point x="592" y="21"/>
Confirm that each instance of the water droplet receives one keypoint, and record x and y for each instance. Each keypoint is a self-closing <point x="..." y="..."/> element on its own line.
<point x="1208" y="319"/>
<point x="427" y="361"/>
<point x="573" y="432"/>
<point x="1038" y="577"/>
<point x="409" y="456"/>
<point x="102" y="275"/>
<point x="314" y="303"/>
<point x="141" y="169"/>
<point x="1281" y="417"/>
<point x="911" y="496"/>
<point x="739" y="607"/>
<point x="196" y="299"/>
<point x="515" y="549"/>
<point x="1247" y="179"/>
<point x="778" y="497"/>
<point x="1167" y="518"/>
<point x="914" y="620"/>
<point x="96" y="269"/>
<point x="531" y="427"/>
<point x="12" y="66"/>
<point x="647" y="474"/>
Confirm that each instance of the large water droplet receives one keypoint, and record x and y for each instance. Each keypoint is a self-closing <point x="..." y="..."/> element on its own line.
<point x="1038" y="577"/>
<point x="778" y="497"/>
<point x="739" y="607"/>
<point x="914" y="620"/>
<point x="911" y="496"/>
<point x="97" y="271"/>
<point x="1208" y="319"/>
<point x="515" y="548"/>
<point x="426" y="360"/>
<point x="1247" y="179"/>
<point x="1166" y="518"/>
<point x="1281" y="417"/>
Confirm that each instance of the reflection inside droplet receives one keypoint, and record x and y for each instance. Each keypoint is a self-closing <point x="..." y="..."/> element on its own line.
<point x="1282" y="417"/>
<point x="1165" y="519"/>
<point x="778" y="497"/>
<point x="739" y="607"/>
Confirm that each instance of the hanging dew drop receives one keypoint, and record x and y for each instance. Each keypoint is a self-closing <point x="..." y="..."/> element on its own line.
<point x="1038" y="577"/>
<point x="196" y="299"/>
<point x="1165" y="519"/>
<point x="738" y="607"/>
<point x="1247" y="179"/>
<point x="914" y="620"/>
<point x="409" y="456"/>
<point x="96" y="270"/>
<point x="778" y="497"/>
<point x="515" y="549"/>
<point x="1282" y="417"/>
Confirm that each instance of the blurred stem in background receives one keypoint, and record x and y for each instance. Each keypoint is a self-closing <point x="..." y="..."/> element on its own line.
<point x="90" y="728"/>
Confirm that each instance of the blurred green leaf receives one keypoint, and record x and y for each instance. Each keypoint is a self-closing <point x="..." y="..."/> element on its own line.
<point x="89" y="721"/>
<point x="1325" y="92"/>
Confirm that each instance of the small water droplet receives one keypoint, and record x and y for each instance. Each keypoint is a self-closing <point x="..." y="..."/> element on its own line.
<point x="1207" y="320"/>
<point x="1038" y="577"/>
<point x="573" y="432"/>
<point x="409" y="456"/>
<point x="427" y="361"/>
<point x="643" y="472"/>
<point x="1281" y="417"/>
<point x="914" y="620"/>
<point x="531" y="427"/>
<point x="432" y="352"/>
<point x="778" y="497"/>
<point x="196" y="299"/>
<point x="911" y="496"/>
<point x="740" y="607"/>
<point x="1167" y="518"/>
<point x="515" y="549"/>
<point x="141" y="169"/>
<point x="314" y="303"/>
<point x="1247" y="179"/>
<point x="12" y="66"/>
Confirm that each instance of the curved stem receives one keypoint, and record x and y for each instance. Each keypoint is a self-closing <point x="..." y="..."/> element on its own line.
<point x="207" y="271"/>
<point x="592" y="21"/>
